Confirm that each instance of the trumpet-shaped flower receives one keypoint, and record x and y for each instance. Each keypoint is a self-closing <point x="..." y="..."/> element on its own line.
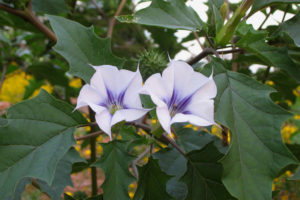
<point x="182" y="95"/>
<point x="113" y="95"/>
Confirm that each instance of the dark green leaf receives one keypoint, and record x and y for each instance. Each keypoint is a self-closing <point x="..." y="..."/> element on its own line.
<point x="62" y="175"/>
<point x="40" y="129"/>
<point x="260" y="4"/>
<point x="114" y="162"/>
<point x="54" y="74"/>
<point x="291" y="27"/>
<point x="19" y="189"/>
<point x="254" y="42"/>
<point x="80" y="47"/>
<point x="53" y="7"/>
<point x="203" y="175"/>
<point x="152" y="182"/>
<point x="173" y="14"/>
<point x="256" y="152"/>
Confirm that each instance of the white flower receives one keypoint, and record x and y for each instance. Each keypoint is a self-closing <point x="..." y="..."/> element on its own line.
<point x="182" y="95"/>
<point x="113" y="95"/>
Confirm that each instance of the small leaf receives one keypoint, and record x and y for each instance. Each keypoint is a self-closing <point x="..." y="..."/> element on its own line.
<point x="254" y="42"/>
<point x="80" y="47"/>
<point x="152" y="182"/>
<point x="173" y="14"/>
<point x="40" y="129"/>
<point x="114" y="162"/>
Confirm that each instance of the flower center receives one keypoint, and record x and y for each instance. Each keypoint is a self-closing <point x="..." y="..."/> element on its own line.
<point x="173" y="110"/>
<point x="113" y="108"/>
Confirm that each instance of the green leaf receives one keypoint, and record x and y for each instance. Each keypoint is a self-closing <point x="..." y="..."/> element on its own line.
<point x="80" y="47"/>
<point x="114" y="162"/>
<point x="203" y="175"/>
<point x="296" y="176"/>
<point x="53" y="7"/>
<point x="19" y="189"/>
<point x="256" y="152"/>
<point x="54" y="74"/>
<point x="152" y="182"/>
<point x="174" y="163"/>
<point x="37" y="135"/>
<point x="173" y="14"/>
<point x="254" y="42"/>
<point x="257" y="5"/>
<point x="291" y="27"/>
<point x="62" y="175"/>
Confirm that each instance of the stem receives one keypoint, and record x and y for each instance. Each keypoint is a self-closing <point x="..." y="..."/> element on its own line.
<point x="285" y="12"/>
<point x="113" y="20"/>
<point x="227" y="31"/>
<point x="101" y="12"/>
<point x="209" y="51"/>
<point x="28" y="15"/>
<point x="4" y="68"/>
<point x="91" y="135"/>
<point x="137" y="160"/>
<point x="267" y="17"/>
<point x="39" y="25"/>
<point x="266" y="74"/>
<point x="224" y="136"/>
<point x="93" y="155"/>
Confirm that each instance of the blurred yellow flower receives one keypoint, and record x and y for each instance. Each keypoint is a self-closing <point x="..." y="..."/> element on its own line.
<point x="297" y="117"/>
<point x="270" y="83"/>
<point x="14" y="86"/>
<point x="296" y="91"/>
<point x="153" y="121"/>
<point x="87" y="152"/>
<point x="188" y="126"/>
<point x="285" y="197"/>
<point x="131" y="195"/>
<point x="288" y="102"/>
<point x="99" y="149"/>
<point x="47" y="87"/>
<point x="75" y="83"/>
<point x="69" y="193"/>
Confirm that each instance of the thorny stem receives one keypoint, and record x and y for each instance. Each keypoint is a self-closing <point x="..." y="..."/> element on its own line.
<point x="113" y="20"/>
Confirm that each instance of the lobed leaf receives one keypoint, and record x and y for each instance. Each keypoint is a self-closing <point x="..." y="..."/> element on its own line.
<point x="38" y="133"/>
<point x="257" y="152"/>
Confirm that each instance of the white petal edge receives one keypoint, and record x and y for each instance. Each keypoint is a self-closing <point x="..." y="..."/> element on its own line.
<point x="164" y="118"/>
<point x="103" y="120"/>
<point x="128" y="115"/>
<point x="193" y="119"/>
<point x="89" y="96"/>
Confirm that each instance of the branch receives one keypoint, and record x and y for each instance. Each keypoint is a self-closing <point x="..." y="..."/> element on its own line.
<point x="29" y="16"/>
<point x="91" y="135"/>
<point x="209" y="51"/>
<point x="113" y="20"/>
<point x="137" y="160"/>
<point x="4" y="68"/>
<point x="101" y="12"/>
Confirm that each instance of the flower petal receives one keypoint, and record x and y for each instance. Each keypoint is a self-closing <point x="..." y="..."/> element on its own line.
<point x="114" y="80"/>
<point x="128" y="115"/>
<point x="155" y="87"/>
<point x="186" y="80"/>
<point x="103" y="120"/>
<point x="164" y="118"/>
<point x="132" y="97"/>
<point x="203" y="109"/>
<point x="193" y="119"/>
<point x="206" y="91"/>
<point x="89" y="96"/>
